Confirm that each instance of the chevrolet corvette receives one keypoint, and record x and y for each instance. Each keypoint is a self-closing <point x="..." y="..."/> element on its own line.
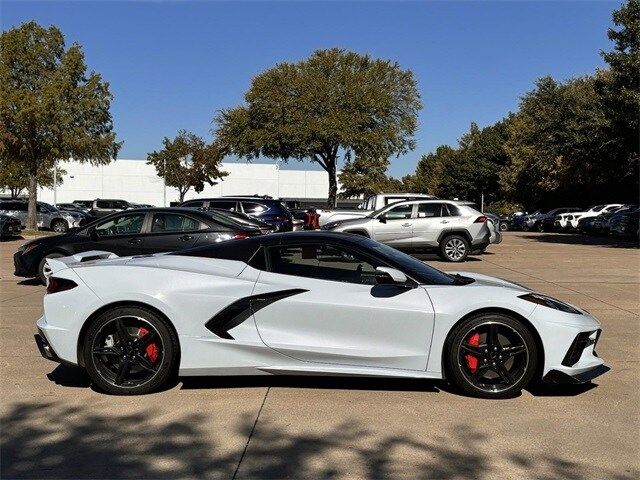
<point x="306" y="303"/>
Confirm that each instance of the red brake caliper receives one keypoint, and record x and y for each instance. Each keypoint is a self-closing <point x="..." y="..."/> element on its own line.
<point x="152" y="348"/>
<point x="472" y="361"/>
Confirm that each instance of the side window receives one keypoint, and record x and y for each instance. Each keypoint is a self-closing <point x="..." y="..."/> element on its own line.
<point x="428" y="210"/>
<point x="223" y="205"/>
<point x="169" y="222"/>
<point x="122" y="225"/>
<point x="103" y="204"/>
<point x="120" y="204"/>
<point x="251" y="208"/>
<point x="194" y="204"/>
<point x="454" y="211"/>
<point x="401" y="212"/>
<point x="324" y="262"/>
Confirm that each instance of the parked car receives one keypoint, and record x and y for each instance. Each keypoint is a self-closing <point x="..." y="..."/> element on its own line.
<point x="102" y="207"/>
<point x="593" y="212"/>
<point x="371" y="204"/>
<point x="9" y="226"/>
<point x="265" y="209"/>
<point x="493" y="221"/>
<point x="310" y="303"/>
<point x="563" y="223"/>
<point x="626" y="224"/>
<point x="545" y="222"/>
<point x="48" y="217"/>
<point x="134" y="232"/>
<point x="84" y="204"/>
<point x="452" y="230"/>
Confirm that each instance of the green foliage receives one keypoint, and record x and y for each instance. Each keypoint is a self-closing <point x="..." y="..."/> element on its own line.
<point x="334" y="102"/>
<point x="365" y="176"/>
<point x="15" y="179"/>
<point x="186" y="162"/>
<point x="503" y="207"/>
<point x="50" y="108"/>
<point x="466" y="171"/>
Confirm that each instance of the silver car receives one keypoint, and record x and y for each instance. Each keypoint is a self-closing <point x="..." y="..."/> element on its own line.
<point x="48" y="216"/>
<point x="452" y="230"/>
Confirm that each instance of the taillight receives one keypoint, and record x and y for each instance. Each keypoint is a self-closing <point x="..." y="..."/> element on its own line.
<point x="481" y="219"/>
<point x="240" y="236"/>
<point x="55" y="285"/>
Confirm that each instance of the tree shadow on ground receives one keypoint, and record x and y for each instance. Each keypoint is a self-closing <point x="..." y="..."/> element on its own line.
<point x="50" y="440"/>
<point x="580" y="239"/>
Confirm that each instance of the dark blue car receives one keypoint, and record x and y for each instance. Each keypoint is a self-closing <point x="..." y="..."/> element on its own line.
<point x="265" y="209"/>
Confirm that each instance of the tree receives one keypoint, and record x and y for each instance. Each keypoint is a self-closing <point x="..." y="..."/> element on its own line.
<point x="335" y="102"/>
<point x="560" y="144"/>
<point x="50" y="109"/>
<point x="467" y="171"/>
<point x="15" y="179"/>
<point x="367" y="176"/>
<point x="620" y="90"/>
<point x="186" y="162"/>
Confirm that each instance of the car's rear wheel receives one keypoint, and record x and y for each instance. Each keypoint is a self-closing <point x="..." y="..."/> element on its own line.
<point x="42" y="267"/>
<point x="491" y="356"/>
<point x="454" y="248"/>
<point x="59" y="226"/>
<point x="504" y="226"/>
<point x="130" y="351"/>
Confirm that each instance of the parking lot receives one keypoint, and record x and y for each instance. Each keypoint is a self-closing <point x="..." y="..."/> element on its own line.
<point x="54" y="425"/>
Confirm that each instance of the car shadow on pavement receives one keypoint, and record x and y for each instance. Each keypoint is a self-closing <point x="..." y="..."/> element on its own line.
<point x="52" y="440"/>
<point x="312" y="382"/>
<point x="30" y="282"/>
<point x="580" y="239"/>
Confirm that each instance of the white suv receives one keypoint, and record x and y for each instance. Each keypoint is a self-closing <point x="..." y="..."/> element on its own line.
<point x="453" y="230"/>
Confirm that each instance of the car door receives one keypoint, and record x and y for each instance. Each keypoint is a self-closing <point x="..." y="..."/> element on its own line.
<point x="430" y="220"/>
<point x="169" y="232"/>
<point x="120" y="234"/>
<point x="324" y="306"/>
<point x="394" y="226"/>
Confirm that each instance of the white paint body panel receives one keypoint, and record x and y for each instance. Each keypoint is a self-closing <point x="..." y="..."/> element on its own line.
<point x="333" y="328"/>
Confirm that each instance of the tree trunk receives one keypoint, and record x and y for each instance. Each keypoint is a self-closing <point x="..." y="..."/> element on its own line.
<point x="332" y="201"/>
<point x="182" y="192"/>
<point x="32" y="215"/>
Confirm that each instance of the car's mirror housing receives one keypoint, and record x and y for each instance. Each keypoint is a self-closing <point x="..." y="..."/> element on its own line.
<point x="382" y="219"/>
<point x="390" y="276"/>
<point x="93" y="234"/>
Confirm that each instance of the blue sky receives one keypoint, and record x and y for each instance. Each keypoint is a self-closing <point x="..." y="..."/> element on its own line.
<point x="171" y="65"/>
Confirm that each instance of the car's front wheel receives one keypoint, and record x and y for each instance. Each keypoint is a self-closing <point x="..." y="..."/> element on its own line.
<point x="42" y="266"/>
<point x="454" y="248"/>
<point x="491" y="356"/>
<point x="130" y="351"/>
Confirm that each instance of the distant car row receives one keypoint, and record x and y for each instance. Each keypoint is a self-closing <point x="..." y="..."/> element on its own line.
<point x="613" y="218"/>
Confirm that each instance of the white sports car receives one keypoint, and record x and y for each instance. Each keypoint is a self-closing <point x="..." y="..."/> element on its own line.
<point x="306" y="303"/>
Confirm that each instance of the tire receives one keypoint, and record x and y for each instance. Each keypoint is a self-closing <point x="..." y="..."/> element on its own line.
<point x="60" y="226"/>
<point x="41" y="276"/>
<point x="504" y="226"/>
<point x="525" y="228"/>
<point x="540" y="227"/>
<point x="454" y="248"/>
<point x="146" y="370"/>
<point x="493" y="376"/>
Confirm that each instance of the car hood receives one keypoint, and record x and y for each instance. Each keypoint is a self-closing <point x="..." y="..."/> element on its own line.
<point x="488" y="281"/>
<point x="350" y="222"/>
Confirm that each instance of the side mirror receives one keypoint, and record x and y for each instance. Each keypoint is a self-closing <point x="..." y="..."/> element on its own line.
<point x="382" y="219"/>
<point x="92" y="234"/>
<point x="390" y="276"/>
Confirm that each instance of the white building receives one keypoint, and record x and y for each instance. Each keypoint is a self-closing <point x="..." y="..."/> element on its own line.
<point x="137" y="182"/>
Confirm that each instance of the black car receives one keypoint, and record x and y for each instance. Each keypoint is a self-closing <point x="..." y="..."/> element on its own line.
<point x="134" y="232"/>
<point x="265" y="209"/>
<point x="9" y="226"/>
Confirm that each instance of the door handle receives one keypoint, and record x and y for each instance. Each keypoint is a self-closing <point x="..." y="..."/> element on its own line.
<point x="406" y="224"/>
<point x="133" y="241"/>
<point x="184" y="238"/>
<point x="444" y="221"/>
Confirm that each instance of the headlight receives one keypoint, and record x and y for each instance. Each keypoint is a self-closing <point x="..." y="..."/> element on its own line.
<point x="549" y="302"/>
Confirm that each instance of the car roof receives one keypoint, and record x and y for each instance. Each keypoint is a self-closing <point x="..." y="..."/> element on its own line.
<point x="232" y="198"/>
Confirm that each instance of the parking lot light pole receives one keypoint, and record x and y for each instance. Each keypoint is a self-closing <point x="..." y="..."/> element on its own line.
<point x="164" y="181"/>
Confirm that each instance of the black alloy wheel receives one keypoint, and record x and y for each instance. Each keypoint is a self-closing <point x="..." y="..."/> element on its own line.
<point x="130" y="350"/>
<point x="492" y="356"/>
<point x="60" y="226"/>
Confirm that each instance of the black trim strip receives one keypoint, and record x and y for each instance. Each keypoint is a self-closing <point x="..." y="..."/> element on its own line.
<point x="234" y="314"/>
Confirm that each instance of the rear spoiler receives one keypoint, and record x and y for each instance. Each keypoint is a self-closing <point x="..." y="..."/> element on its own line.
<point x="54" y="265"/>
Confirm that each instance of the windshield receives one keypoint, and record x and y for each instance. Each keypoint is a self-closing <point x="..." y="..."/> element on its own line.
<point x="419" y="271"/>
